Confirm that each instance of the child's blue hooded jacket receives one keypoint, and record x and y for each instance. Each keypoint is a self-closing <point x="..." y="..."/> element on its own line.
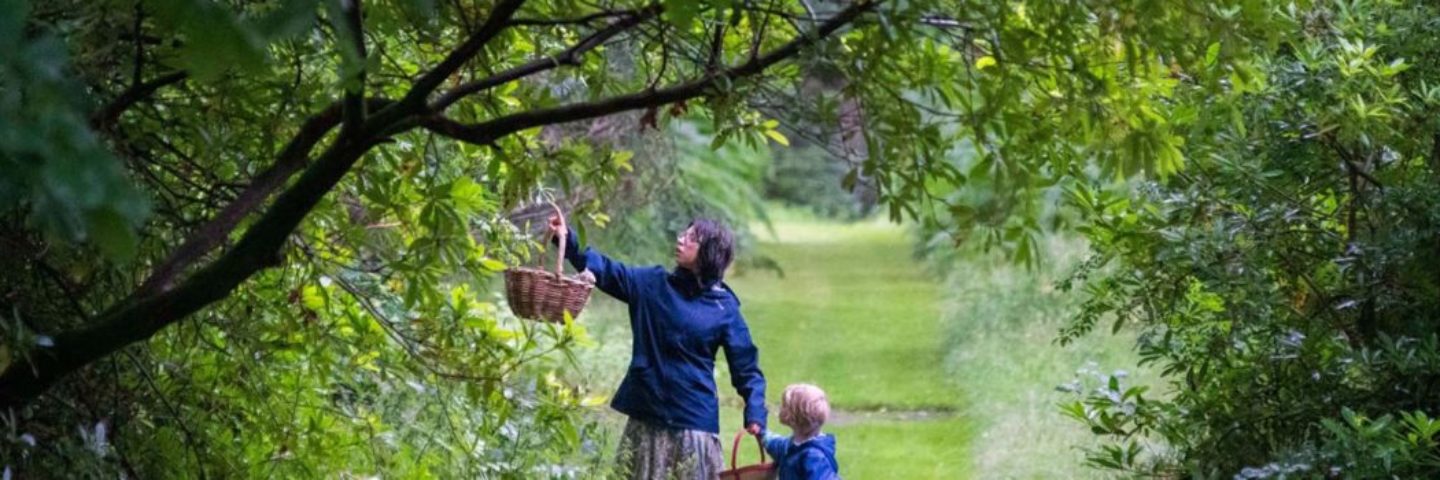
<point x="812" y="460"/>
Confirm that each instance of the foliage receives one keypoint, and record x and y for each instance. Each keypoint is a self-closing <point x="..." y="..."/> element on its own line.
<point x="812" y="178"/>
<point x="1284" y="281"/>
<point x="676" y="176"/>
<point x="999" y="319"/>
<point x="1042" y="94"/>
<point x="53" y="162"/>
<point x="343" y="314"/>
<point x="1383" y="447"/>
<point x="386" y="147"/>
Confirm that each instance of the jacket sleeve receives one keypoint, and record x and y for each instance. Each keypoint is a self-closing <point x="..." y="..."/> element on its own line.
<point x="776" y="446"/>
<point x="611" y="276"/>
<point x="815" y="465"/>
<point x="745" y="374"/>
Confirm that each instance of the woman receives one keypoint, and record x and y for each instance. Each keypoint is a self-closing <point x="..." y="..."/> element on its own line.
<point x="680" y="318"/>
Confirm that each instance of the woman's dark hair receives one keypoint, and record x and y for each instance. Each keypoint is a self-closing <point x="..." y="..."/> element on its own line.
<point x="717" y="248"/>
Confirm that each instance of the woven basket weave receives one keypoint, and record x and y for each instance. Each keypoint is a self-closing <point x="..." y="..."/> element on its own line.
<point x="537" y="294"/>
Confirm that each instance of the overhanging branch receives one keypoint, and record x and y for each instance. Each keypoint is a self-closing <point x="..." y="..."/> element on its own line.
<point x="570" y="56"/>
<point x="140" y="318"/>
<point x="573" y="21"/>
<point x="107" y="115"/>
<point x="414" y="100"/>
<point x="214" y="232"/>
<point x="489" y="131"/>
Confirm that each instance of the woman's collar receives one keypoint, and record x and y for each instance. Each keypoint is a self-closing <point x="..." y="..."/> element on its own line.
<point x="689" y="283"/>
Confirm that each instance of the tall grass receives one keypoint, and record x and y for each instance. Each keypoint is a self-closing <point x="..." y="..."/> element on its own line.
<point x="1001" y="323"/>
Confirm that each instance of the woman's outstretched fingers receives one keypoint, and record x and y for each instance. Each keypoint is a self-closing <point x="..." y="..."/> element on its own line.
<point x="557" y="228"/>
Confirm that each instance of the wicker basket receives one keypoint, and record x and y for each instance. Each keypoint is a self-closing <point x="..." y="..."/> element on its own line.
<point x="537" y="294"/>
<point x="759" y="471"/>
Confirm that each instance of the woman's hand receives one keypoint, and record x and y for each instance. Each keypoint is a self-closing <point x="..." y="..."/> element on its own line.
<point x="557" y="226"/>
<point x="753" y="428"/>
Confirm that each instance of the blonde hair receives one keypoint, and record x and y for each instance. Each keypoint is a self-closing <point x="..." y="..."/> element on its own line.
<point x="804" y="408"/>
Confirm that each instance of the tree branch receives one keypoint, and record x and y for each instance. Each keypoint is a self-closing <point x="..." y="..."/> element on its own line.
<point x="759" y="36"/>
<point x="355" y="94"/>
<point x="1435" y="153"/>
<point x="137" y="319"/>
<point x="489" y="131"/>
<point x="414" y="100"/>
<point x="1348" y="157"/>
<point x="570" y="56"/>
<point x="139" y="62"/>
<point x="107" y="115"/>
<point x="214" y="232"/>
<point x="573" y="21"/>
<point x="717" y="42"/>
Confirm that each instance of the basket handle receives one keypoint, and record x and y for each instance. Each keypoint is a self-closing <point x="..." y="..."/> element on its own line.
<point x="735" y="448"/>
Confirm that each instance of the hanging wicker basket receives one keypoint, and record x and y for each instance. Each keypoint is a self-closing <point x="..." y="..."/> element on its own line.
<point x="538" y="294"/>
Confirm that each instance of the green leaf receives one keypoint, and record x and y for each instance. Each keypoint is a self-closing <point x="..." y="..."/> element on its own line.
<point x="12" y="22"/>
<point x="622" y="158"/>
<point x="421" y="8"/>
<point x="312" y="297"/>
<point x="492" y="264"/>
<point x="848" y="183"/>
<point x="1169" y="160"/>
<point x="778" y="137"/>
<point x="1023" y="250"/>
<point x="291" y="19"/>
<point x="984" y="62"/>
<point x="468" y="195"/>
<point x="114" y="235"/>
<point x="1237" y="121"/>
<point x="1075" y="410"/>
<point x="215" y="38"/>
<point x="681" y="13"/>
<point x="719" y="141"/>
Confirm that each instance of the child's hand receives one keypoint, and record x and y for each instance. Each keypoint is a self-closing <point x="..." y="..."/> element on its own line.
<point x="753" y="428"/>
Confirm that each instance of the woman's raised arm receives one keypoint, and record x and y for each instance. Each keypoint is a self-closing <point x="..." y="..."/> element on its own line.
<point x="611" y="276"/>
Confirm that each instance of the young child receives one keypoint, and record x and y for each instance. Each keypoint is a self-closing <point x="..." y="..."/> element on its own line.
<point x="807" y="454"/>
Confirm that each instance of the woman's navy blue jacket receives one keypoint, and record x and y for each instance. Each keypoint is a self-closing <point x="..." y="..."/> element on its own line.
<point x="679" y="321"/>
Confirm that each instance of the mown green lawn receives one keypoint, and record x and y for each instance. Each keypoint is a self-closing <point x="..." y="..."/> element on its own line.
<point x="858" y="316"/>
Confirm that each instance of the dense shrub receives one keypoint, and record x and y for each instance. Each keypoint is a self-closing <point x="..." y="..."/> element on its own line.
<point x="1286" y="281"/>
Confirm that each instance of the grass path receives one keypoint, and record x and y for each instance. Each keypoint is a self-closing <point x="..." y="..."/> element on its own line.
<point x="930" y="378"/>
<point x="856" y="315"/>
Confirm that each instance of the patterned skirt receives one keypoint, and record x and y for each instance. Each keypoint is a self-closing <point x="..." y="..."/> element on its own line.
<point x="652" y="452"/>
